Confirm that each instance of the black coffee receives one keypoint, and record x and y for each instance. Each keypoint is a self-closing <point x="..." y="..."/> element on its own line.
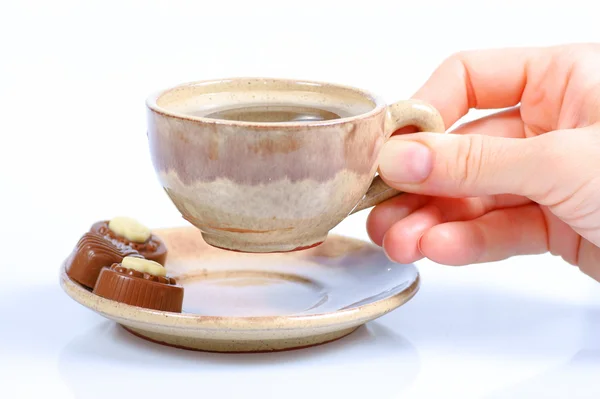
<point x="273" y="113"/>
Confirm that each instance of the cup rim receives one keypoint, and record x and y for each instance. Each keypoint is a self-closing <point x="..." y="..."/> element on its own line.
<point x="152" y="104"/>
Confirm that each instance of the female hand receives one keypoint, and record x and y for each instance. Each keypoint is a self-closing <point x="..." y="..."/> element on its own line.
<point x="522" y="181"/>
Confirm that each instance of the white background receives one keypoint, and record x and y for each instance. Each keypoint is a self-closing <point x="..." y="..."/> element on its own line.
<point x="74" y="76"/>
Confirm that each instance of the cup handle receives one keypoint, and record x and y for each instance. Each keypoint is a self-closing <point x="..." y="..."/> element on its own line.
<point x="401" y="114"/>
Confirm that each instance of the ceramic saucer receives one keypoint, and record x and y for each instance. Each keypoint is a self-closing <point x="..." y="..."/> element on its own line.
<point x="239" y="302"/>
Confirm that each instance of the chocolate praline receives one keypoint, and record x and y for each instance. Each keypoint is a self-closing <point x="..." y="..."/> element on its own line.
<point x="152" y="249"/>
<point x="139" y="289"/>
<point x="93" y="252"/>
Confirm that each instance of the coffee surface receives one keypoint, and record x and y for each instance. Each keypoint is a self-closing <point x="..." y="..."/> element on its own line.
<point x="265" y="113"/>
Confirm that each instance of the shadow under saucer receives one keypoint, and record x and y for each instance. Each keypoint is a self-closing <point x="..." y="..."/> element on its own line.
<point x="107" y="360"/>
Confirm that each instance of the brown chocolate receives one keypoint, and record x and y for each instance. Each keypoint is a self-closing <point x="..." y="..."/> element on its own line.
<point x="153" y="249"/>
<point x="91" y="254"/>
<point x="139" y="289"/>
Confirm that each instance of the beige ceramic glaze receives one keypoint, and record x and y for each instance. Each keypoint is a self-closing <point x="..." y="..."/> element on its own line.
<point x="237" y="302"/>
<point x="257" y="186"/>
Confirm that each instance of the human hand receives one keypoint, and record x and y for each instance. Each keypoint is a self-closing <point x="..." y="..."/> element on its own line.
<point x="521" y="181"/>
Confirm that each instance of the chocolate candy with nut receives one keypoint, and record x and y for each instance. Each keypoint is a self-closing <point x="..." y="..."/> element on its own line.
<point x="140" y="282"/>
<point x="130" y="232"/>
<point x="91" y="254"/>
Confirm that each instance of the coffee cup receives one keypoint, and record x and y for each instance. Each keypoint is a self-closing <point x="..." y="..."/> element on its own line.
<point x="272" y="165"/>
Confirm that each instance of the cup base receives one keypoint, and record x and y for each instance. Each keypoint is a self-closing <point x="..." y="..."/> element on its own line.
<point x="226" y="243"/>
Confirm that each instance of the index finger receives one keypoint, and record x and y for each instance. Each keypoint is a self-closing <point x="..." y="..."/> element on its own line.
<point x="483" y="79"/>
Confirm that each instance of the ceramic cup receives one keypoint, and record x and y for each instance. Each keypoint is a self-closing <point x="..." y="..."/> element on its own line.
<point x="272" y="180"/>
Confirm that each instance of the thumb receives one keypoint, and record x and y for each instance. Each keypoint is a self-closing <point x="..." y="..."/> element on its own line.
<point x="453" y="165"/>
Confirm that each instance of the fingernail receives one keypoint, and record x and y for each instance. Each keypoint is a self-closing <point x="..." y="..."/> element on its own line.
<point x="383" y="246"/>
<point x="419" y="244"/>
<point x="387" y="255"/>
<point x="404" y="161"/>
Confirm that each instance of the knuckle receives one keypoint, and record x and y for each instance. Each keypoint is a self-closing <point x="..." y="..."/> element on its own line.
<point x="455" y="62"/>
<point x="458" y="56"/>
<point x="459" y="63"/>
<point x="470" y="154"/>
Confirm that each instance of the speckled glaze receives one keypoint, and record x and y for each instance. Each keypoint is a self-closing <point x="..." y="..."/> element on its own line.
<point x="273" y="187"/>
<point x="238" y="302"/>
